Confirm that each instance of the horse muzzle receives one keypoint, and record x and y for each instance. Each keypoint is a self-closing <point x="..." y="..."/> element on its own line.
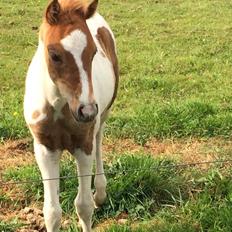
<point x="86" y="113"/>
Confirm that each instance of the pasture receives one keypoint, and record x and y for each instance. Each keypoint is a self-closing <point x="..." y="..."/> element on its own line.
<point x="174" y="105"/>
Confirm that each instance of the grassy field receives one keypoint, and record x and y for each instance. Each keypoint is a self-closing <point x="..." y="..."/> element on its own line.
<point x="175" y="69"/>
<point x="175" y="59"/>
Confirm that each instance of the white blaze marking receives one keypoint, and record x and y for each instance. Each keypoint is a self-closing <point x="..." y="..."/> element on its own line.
<point x="75" y="43"/>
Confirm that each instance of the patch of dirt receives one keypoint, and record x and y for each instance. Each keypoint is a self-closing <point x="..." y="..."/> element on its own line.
<point x="33" y="220"/>
<point x="188" y="150"/>
<point x="15" y="154"/>
<point x="19" y="152"/>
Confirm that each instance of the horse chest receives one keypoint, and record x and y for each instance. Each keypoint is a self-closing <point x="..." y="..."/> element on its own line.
<point x="64" y="133"/>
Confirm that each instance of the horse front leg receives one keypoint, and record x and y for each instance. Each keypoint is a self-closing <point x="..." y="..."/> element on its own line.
<point x="84" y="202"/>
<point x="48" y="163"/>
<point x="100" y="179"/>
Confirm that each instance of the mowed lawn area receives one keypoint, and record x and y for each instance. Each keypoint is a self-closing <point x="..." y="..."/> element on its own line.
<point x="174" y="105"/>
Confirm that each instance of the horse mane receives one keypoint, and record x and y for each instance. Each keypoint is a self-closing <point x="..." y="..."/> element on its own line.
<point x="68" y="13"/>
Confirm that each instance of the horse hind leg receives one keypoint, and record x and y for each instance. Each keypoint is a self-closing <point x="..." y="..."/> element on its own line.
<point x="100" y="179"/>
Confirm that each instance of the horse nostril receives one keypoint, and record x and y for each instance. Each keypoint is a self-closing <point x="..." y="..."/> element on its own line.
<point x="96" y="107"/>
<point x="80" y="111"/>
<point x="87" y="113"/>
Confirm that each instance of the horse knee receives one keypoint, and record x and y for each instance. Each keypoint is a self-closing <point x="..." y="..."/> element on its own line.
<point x="52" y="217"/>
<point x="100" y="183"/>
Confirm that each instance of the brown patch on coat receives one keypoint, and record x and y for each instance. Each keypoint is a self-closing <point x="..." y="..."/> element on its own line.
<point x="65" y="74"/>
<point x="35" y="114"/>
<point x="87" y="59"/>
<point x="107" y="43"/>
<point x="65" y="133"/>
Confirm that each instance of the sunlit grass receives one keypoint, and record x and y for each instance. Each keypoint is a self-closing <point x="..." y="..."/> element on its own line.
<point x="175" y="61"/>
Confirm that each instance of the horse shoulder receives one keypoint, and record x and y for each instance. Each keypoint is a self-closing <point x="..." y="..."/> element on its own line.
<point x="34" y="98"/>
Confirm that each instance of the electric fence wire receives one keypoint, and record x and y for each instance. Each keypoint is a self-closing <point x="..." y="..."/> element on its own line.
<point x="124" y="172"/>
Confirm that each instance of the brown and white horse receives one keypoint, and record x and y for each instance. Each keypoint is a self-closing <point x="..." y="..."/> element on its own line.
<point x="70" y="87"/>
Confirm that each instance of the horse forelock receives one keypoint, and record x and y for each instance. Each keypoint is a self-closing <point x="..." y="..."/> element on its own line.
<point x="69" y="10"/>
<point x="70" y="5"/>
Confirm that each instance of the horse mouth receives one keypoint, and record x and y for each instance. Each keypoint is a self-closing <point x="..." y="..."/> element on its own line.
<point x="85" y="113"/>
<point x="81" y="119"/>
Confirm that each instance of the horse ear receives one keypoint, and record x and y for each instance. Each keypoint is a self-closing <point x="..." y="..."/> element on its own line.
<point x="91" y="9"/>
<point x="53" y="12"/>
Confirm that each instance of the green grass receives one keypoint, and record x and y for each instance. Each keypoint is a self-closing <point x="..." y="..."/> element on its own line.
<point x="140" y="195"/>
<point x="158" y="197"/>
<point x="175" y="59"/>
<point x="18" y="42"/>
<point x="175" y="70"/>
<point x="11" y="226"/>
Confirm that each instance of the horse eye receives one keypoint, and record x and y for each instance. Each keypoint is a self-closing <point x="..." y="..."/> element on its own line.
<point x="56" y="58"/>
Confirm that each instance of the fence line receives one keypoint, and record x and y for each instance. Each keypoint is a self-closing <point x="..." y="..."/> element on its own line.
<point x="180" y="165"/>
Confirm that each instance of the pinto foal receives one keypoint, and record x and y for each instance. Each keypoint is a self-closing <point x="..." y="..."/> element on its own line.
<point x="70" y="86"/>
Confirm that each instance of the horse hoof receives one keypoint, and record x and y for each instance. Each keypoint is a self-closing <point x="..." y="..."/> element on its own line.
<point x="99" y="200"/>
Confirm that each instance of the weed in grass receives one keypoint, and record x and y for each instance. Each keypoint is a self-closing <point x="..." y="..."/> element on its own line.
<point x="214" y="201"/>
<point x="116" y="228"/>
<point x="208" y="208"/>
<point x="141" y="191"/>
